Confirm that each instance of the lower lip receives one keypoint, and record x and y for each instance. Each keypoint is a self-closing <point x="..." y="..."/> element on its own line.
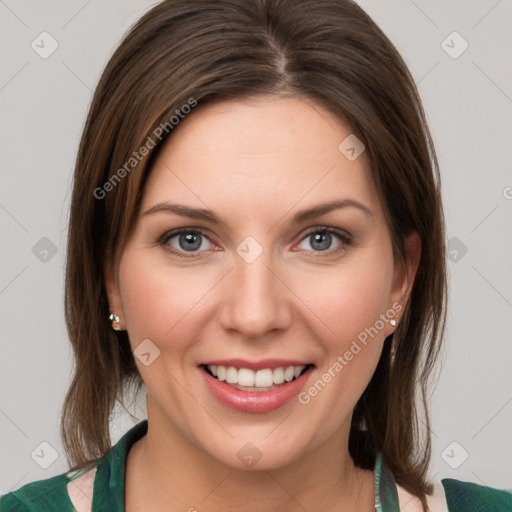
<point x="255" y="401"/>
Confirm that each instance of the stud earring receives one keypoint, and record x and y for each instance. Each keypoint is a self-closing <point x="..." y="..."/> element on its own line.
<point x="393" y="322"/>
<point x="115" y="322"/>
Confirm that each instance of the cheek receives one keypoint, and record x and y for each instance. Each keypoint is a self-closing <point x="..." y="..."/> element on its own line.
<point x="349" y="300"/>
<point x="161" y="303"/>
<point x="349" y="304"/>
<point x="351" y="332"/>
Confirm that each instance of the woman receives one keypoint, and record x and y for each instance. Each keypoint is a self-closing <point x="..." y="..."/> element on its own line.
<point x="256" y="236"/>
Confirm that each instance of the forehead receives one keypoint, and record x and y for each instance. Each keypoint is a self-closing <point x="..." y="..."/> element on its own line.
<point x="259" y="152"/>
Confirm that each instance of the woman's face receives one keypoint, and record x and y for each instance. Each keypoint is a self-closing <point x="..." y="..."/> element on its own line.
<point x="284" y="260"/>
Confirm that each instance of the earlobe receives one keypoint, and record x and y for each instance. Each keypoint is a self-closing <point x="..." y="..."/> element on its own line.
<point x="113" y="295"/>
<point x="405" y="271"/>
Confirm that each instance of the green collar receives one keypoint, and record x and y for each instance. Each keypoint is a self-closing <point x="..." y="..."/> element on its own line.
<point x="108" y="494"/>
<point x="386" y="495"/>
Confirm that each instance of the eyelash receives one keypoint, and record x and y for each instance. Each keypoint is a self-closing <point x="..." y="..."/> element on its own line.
<point x="343" y="237"/>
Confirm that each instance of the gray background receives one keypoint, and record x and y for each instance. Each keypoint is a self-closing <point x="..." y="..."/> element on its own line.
<point x="468" y="99"/>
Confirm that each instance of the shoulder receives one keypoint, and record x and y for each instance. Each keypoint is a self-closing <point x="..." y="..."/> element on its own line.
<point x="42" y="496"/>
<point x="451" y="495"/>
<point x="468" y="497"/>
<point x="67" y="492"/>
<point x="73" y="491"/>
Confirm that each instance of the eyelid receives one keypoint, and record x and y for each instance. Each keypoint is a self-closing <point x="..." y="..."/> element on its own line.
<point x="344" y="235"/>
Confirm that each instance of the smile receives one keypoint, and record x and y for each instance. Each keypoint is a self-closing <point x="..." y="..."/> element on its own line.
<point x="260" y="380"/>
<point x="255" y="390"/>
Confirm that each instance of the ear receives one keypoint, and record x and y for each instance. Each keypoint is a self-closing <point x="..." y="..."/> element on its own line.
<point x="405" y="270"/>
<point x="113" y="293"/>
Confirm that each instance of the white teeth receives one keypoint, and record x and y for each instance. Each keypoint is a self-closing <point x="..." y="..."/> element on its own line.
<point x="279" y="375"/>
<point x="232" y="375"/>
<point x="263" y="378"/>
<point x="245" y="377"/>
<point x="260" y="379"/>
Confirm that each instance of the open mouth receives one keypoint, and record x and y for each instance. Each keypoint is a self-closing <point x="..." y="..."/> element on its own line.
<point x="245" y="379"/>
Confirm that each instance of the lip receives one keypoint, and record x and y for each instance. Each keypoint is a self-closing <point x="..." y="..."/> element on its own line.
<point x="255" y="401"/>
<point x="256" y="365"/>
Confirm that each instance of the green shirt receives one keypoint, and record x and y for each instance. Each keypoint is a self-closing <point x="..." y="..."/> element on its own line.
<point x="51" y="495"/>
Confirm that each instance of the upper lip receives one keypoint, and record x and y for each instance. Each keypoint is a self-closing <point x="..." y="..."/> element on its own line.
<point x="257" y="365"/>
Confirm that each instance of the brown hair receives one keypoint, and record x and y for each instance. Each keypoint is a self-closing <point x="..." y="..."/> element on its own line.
<point x="186" y="53"/>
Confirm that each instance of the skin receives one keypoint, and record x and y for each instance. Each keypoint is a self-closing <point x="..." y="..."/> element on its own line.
<point x="255" y="163"/>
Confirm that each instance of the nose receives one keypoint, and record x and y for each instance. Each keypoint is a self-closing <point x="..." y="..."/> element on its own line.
<point x="255" y="300"/>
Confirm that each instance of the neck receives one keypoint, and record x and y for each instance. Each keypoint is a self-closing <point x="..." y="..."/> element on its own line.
<point x="166" y="471"/>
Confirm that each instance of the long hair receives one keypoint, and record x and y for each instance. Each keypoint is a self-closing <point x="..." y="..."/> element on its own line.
<point x="183" y="53"/>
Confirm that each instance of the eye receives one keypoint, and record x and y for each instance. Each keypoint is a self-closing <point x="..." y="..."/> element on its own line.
<point x="322" y="239"/>
<point x="195" y="241"/>
<point x="185" y="241"/>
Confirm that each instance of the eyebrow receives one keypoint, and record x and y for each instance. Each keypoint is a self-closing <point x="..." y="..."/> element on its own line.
<point x="299" y="217"/>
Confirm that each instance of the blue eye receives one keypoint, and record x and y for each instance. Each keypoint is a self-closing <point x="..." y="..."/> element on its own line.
<point x="185" y="240"/>
<point x="321" y="239"/>
<point x="189" y="243"/>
